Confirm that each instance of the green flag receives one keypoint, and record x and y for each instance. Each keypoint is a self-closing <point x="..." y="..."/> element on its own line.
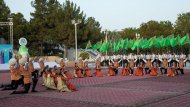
<point x="126" y="44"/>
<point x="104" y="47"/>
<point x="183" y="40"/>
<point x="173" y="41"/>
<point x="88" y="45"/>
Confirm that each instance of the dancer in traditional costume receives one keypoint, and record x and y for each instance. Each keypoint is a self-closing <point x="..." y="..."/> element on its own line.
<point x="49" y="79"/>
<point x="63" y="85"/>
<point x="172" y="70"/>
<point x="81" y="65"/>
<point x="125" y="70"/>
<point x="15" y="76"/>
<point x="115" y="65"/>
<point x="87" y="70"/>
<point x="111" y="70"/>
<point x="25" y="72"/>
<point x="181" y="62"/>
<point x="165" y="62"/>
<point x="139" y="70"/>
<point x="35" y="74"/>
<point x="131" y="63"/>
<point x="98" y="72"/>
<point x="154" y="70"/>
<point x="148" y="62"/>
<point x="78" y="71"/>
<point x="41" y="63"/>
<point x="66" y="72"/>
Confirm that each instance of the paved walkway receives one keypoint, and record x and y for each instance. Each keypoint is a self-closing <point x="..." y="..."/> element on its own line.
<point x="107" y="91"/>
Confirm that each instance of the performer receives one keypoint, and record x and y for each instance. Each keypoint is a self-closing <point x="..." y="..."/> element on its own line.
<point x="87" y="70"/>
<point x="34" y="74"/>
<point x="111" y="70"/>
<point x="15" y="76"/>
<point x="81" y="65"/>
<point x="98" y="72"/>
<point x="116" y="65"/>
<point x="24" y="68"/>
<point x="157" y="61"/>
<point x="125" y="70"/>
<point x="49" y="79"/>
<point x="124" y="61"/>
<point x="172" y="70"/>
<point x="63" y="85"/>
<point x="165" y="62"/>
<point x="173" y="60"/>
<point x="65" y="72"/>
<point x="148" y="62"/>
<point x="61" y="63"/>
<point x="131" y="63"/>
<point x="139" y="70"/>
<point x="154" y="70"/>
<point x="181" y="62"/>
<point x="41" y="63"/>
<point x="78" y="71"/>
<point x="139" y="59"/>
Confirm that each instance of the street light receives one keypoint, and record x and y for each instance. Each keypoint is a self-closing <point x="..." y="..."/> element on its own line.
<point x="76" y="22"/>
<point x="137" y="37"/>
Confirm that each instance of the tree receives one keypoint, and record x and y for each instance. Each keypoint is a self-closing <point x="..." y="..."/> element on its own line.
<point x="4" y="15"/>
<point x="129" y="32"/>
<point x="155" y="28"/>
<point x="20" y="27"/>
<point x="182" y="24"/>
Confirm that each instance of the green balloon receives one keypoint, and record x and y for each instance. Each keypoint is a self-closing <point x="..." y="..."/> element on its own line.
<point x="23" y="50"/>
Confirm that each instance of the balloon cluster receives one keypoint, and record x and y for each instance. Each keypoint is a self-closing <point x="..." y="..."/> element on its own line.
<point x="23" y="50"/>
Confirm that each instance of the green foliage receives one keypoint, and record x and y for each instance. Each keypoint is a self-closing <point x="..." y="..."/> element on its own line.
<point x="84" y="55"/>
<point x="182" y="25"/>
<point x="4" y="15"/>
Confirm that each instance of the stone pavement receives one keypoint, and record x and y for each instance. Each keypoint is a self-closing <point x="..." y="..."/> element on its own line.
<point x="106" y="91"/>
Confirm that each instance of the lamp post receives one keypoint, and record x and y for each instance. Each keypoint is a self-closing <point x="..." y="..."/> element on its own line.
<point x="106" y="40"/>
<point x="137" y="37"/>
<point x="76" y="22"/>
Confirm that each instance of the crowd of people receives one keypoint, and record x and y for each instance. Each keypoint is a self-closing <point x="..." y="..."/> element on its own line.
<point x="57" y="78"/>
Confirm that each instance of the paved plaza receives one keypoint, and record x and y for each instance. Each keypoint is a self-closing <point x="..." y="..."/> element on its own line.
<point x="106" y="91"/>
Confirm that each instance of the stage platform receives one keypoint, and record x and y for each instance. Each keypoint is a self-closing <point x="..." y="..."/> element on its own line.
<point x="120" y="91"/>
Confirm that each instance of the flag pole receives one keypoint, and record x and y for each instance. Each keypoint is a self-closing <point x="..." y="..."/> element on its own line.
<point x="106" y="41"/>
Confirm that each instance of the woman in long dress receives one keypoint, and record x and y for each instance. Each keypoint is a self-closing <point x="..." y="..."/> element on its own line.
<point x="87" y="70"/>
<point x="49" y="79"/>
<point x="154" y="70"/>
<point x="171" y="72"/>
<point x="111" y="70"/>
<point x="63" y="85"/>
<point x="78" y="71"/>
<point x="125" y="70"/>
<point x="139" y="70"/>
<point x="98" y="72"/>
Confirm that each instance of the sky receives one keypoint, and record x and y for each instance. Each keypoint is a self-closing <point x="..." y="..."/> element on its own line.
<point x="118" y="14"/>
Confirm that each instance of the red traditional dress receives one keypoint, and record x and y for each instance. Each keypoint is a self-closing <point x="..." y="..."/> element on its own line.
<point x="69" y="85"/>
<point x="125" y="71"/>
<point x="98" y="72"/>
<point x="78" y="72"/>
<point x="171" y="72"/>
<point x="87" y="72"/>
<point x="111" y="72"/>
<point x="69" y="75"/>
<point x="153" y="71"/>
<point x="139" y="71"/>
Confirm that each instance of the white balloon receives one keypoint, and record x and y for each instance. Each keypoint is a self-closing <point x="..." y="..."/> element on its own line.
<point x="23" y="41"/>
